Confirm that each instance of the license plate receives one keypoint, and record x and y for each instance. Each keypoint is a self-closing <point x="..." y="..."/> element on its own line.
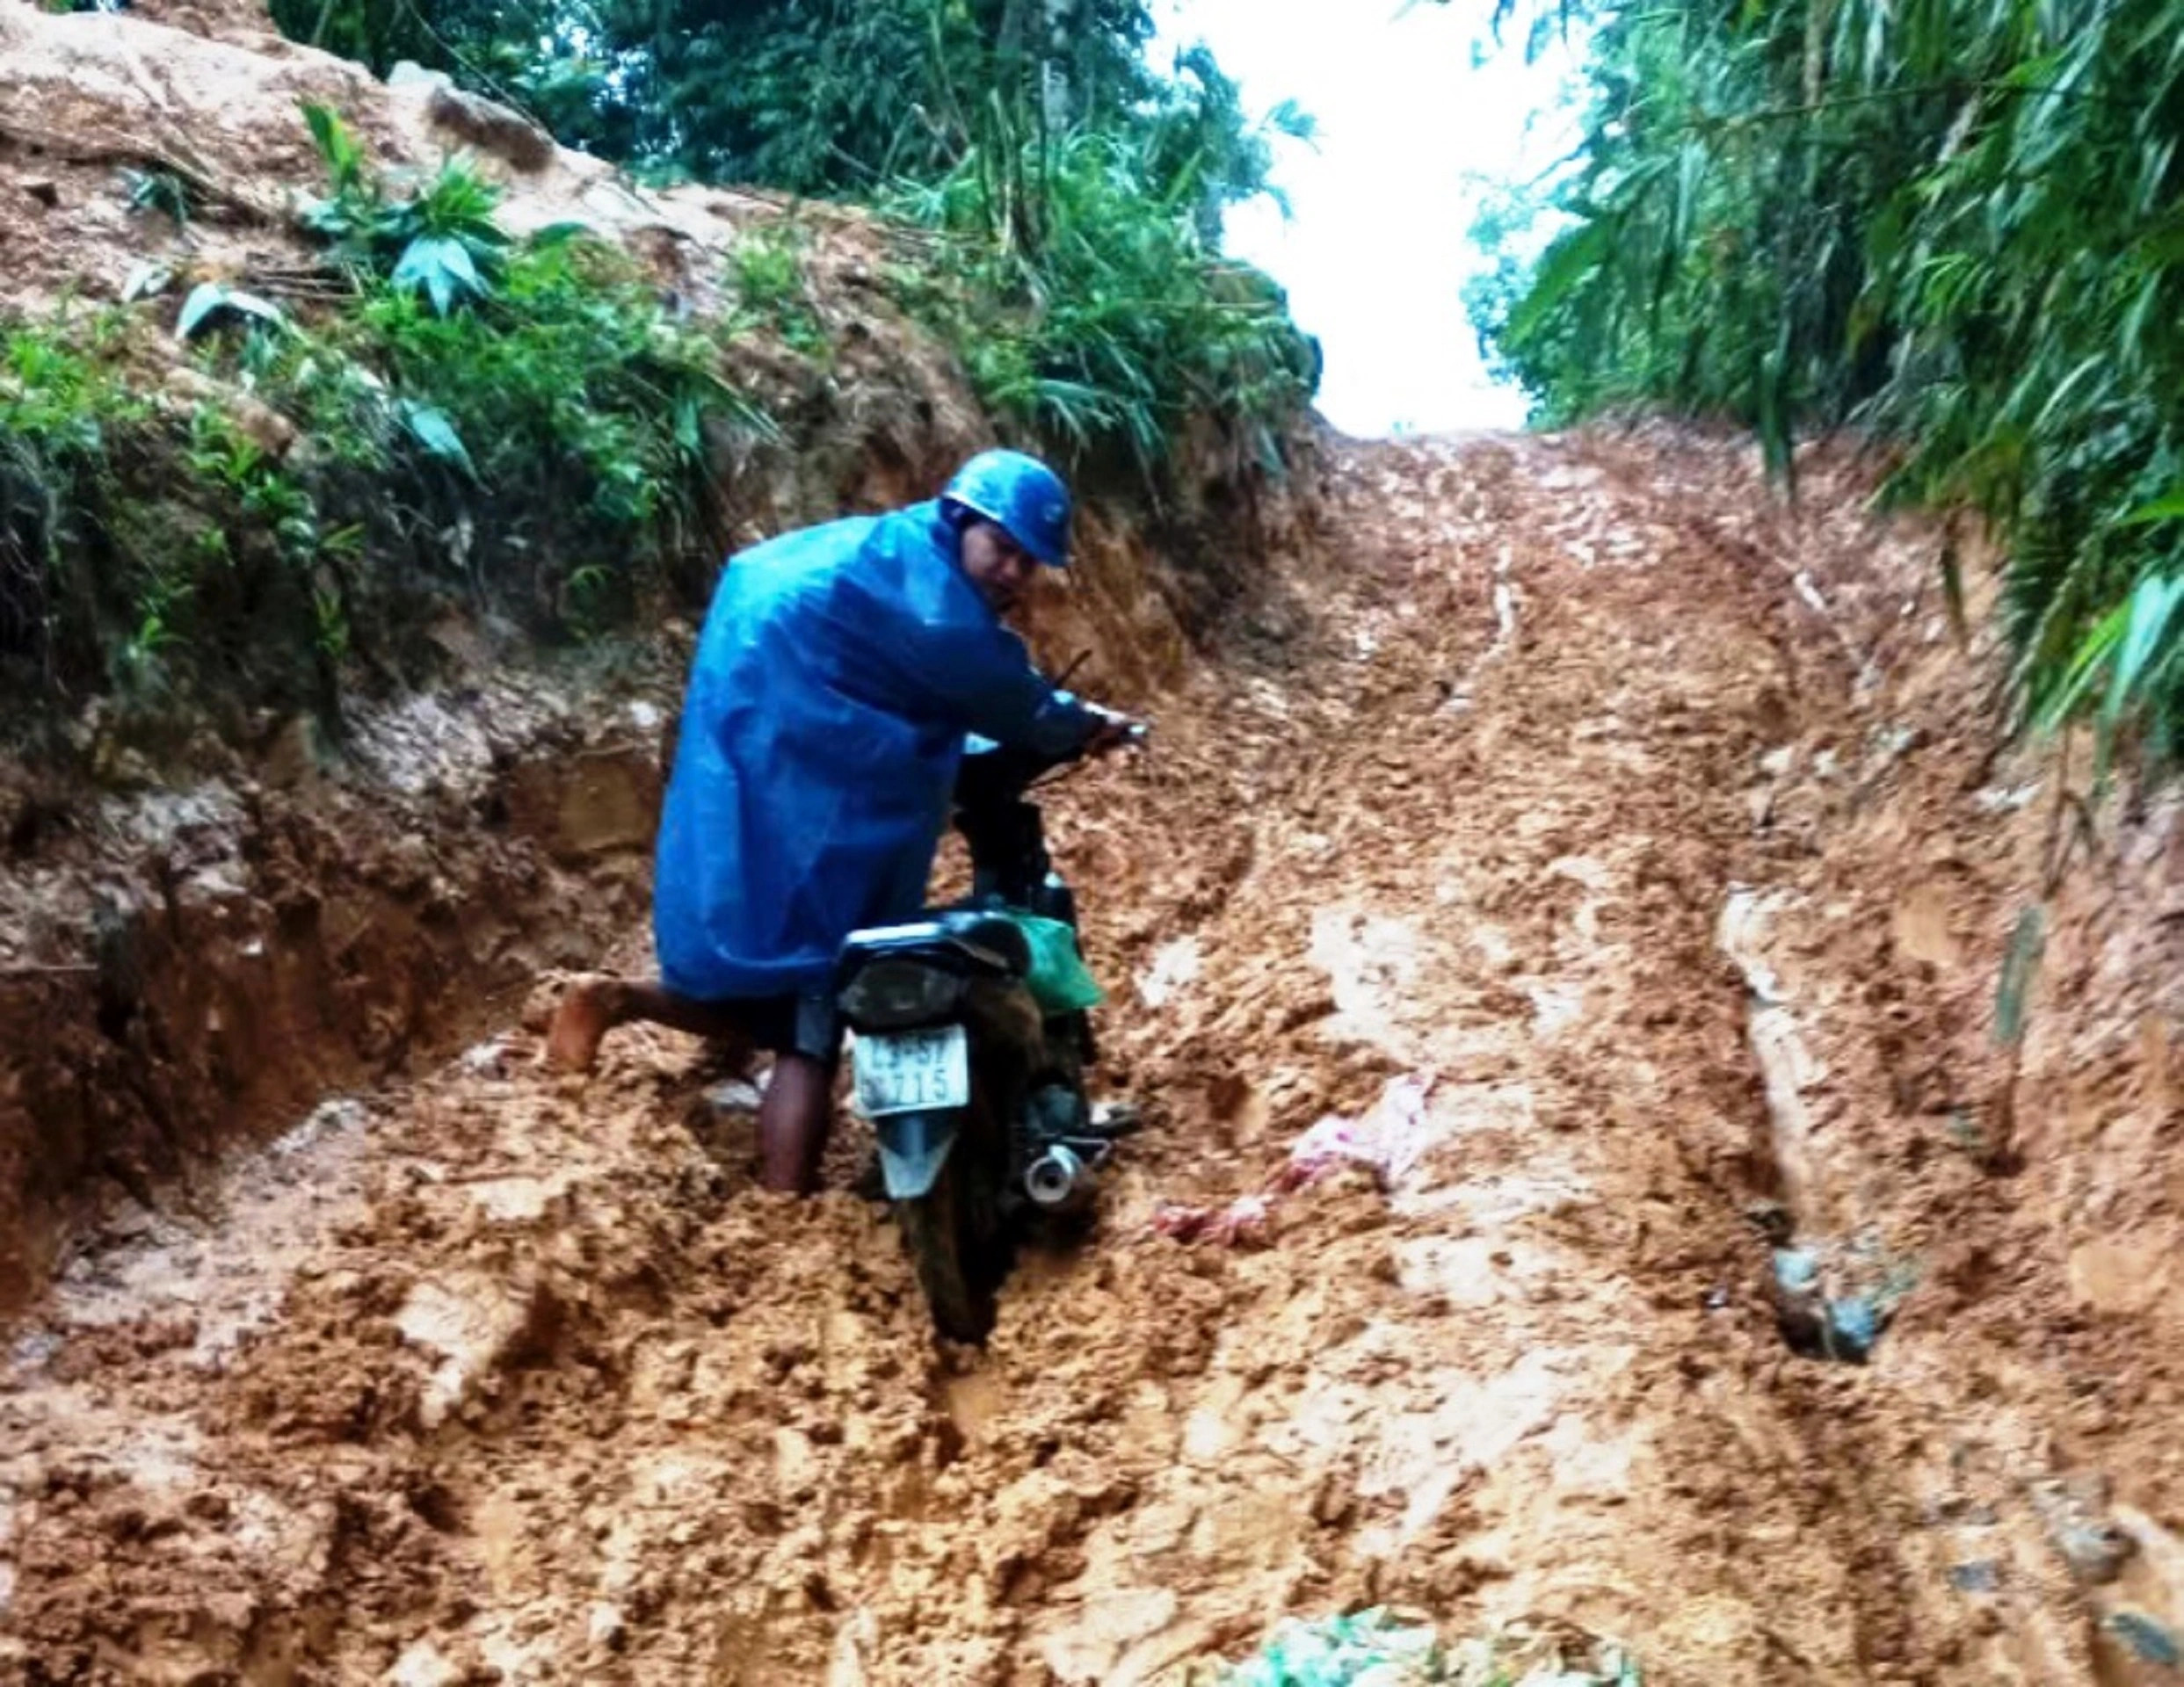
<point x="912" y="1071"/>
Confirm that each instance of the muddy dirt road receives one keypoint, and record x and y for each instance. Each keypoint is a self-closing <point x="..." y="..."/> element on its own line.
<point x="499" y="1377"/>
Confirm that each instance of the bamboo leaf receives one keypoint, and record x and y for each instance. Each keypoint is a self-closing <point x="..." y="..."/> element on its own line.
<point x="441" y="266"/>
<point x="1569" y="261"/>
<point x="208" y="301"/>
<point x="2168" y="507"/>
<point x="2147" y="625"/>
<point x="430" y="426"/>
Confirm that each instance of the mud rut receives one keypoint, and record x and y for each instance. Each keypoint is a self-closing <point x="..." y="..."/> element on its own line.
<point x="494" y="1374"/>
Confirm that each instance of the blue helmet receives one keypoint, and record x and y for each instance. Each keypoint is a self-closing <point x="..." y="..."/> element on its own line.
<point x="1026" y="497"/>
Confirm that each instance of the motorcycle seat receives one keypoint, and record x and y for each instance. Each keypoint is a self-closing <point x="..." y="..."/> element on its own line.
<point x="988" y="941"/>
<point x="996" y="933"/>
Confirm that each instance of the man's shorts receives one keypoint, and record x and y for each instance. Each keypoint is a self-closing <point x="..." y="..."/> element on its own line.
<point x="792" y="1024"/>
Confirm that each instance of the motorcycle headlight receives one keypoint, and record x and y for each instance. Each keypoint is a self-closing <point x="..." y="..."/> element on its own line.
<point x="889" y="993"/>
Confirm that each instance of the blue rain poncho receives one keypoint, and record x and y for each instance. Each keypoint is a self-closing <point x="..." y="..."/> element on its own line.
<point x="839" y="670"/>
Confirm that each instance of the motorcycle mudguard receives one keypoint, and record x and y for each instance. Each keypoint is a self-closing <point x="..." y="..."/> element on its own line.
<point x="913" y="1148"/>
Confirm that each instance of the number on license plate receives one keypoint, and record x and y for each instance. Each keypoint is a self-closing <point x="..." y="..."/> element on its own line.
<point x="910" y="1071"/>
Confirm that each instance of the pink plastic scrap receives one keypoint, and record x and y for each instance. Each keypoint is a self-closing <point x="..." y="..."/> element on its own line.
<point x="1241" y="1223"/>
<point x="1389" y="1137"/>
<point x="1183" y="1223"/>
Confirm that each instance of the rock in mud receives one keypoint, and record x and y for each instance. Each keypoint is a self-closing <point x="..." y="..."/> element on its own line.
<point x="472" y="1324"/>
<point x="492" y="127"/>
<point x="2154" y="1643"/>
<point x="1815" y="1323"/>
<point x="496" y="128"/>
<point x="1854" y="1324"/>
<point x="423" y="1664"/>
<point x="2074" y="1510"/>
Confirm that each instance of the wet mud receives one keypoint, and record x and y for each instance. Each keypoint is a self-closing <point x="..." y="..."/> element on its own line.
<point x="1594" y="895"/>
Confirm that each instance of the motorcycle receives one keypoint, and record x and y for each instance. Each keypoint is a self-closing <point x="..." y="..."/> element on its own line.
<point x="975" y="1094"/>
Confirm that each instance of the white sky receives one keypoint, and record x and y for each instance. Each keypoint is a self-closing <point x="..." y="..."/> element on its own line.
<point x="1379" y="242"/>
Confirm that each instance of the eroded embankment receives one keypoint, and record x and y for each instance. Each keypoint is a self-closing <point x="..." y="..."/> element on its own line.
<point x="184" y="969"/>
<point x="490" y="1372"/>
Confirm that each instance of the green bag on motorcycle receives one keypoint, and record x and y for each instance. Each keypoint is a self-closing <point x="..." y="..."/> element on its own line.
<point x="1059" y="980"/>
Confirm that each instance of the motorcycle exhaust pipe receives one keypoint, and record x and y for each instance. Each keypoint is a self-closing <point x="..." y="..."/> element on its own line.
<point x="1058" y="1179"/>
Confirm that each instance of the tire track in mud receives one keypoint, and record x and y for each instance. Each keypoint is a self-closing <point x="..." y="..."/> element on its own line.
<point x="528" y="1378"/>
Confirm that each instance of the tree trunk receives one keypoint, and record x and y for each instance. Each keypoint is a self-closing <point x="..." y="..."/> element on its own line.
<point x="1008" y="40"/>
<point x="1058" y="103"/>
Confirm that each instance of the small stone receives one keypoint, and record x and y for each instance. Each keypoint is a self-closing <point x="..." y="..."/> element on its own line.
<point x="1853" y="1327"/>
<point x="733" y="1096"/>
<point x="485" y="1059"/>
<point x="2151" y="1641"/>
<point x="608" y="1628"/>
<point x="423" y="1664"/>
<point x="1977" y="1575"/>
<point x="1334" y="1502"/>
<point x="1115" y="1118"/>
<point x="2096" y="1552"/>
<point x="208" y="1505"/>
<point x="2075" y="1510"/>
<point x="264" y="426"/>
<point x="486" y="124"/>
<point x="407" y="73"/>
<point x="47" y="192"/>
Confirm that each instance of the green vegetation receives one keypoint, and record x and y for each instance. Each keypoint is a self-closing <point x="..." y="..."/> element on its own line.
<point x="1956" y="224"/>
<point x="767" y="269"/>
<point x="443" y="412"/>
<point x="516" y="425"/>
<point x="1078" y="192"/>
<point x="441" y="241"/>
<point x="162" y="191"/>
<point x="817" y="97"/>
<point x="1093" y="323"/>
<point x="60" y="402"/>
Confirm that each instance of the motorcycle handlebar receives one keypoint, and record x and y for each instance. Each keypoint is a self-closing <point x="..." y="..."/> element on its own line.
<point x="1003" y="772"/>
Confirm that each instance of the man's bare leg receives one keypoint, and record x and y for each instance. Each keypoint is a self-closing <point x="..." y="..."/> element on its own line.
<point x="797" y="1112"/>
<point x="595" y="1006"/>
<point x="793" y="1121"/>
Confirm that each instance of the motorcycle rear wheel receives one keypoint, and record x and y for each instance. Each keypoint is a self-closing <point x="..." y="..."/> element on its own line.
<point x="953" y="1235"/>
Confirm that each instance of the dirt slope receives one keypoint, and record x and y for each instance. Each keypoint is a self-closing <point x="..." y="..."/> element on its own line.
<point x="1616" y="850"/>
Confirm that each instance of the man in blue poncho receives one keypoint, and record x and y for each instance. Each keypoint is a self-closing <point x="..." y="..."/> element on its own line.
<point x="839" y="671"/>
